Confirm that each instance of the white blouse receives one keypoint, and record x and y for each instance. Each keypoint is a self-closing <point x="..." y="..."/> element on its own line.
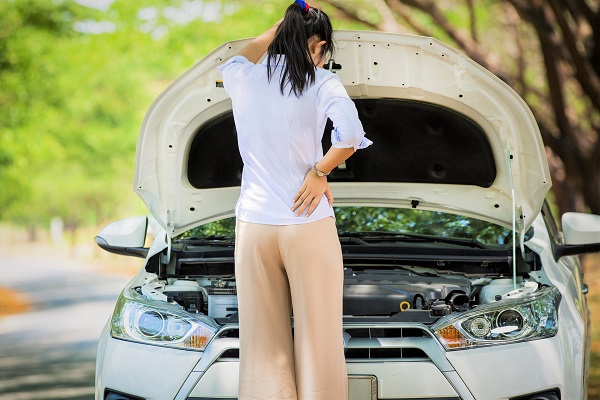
<point x="279" y="137"/>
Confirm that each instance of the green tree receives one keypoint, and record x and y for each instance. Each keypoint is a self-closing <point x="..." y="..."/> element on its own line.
<point x="75" y="83"/>
<point x="69" y="113"/>
<point x="26" y="30"/>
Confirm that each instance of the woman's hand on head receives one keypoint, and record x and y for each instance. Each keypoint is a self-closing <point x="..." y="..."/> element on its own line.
<point x="311" y="193"/>
<point x="254" y="50"/>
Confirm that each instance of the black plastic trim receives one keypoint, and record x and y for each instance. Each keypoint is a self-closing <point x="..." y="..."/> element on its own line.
<point x="110" y="394"/>
<point x="574" y="249"/>
<point x="414" y="141"/>
<point x="552" y="394"/>
<point x="403" y="398"/>
<point x="140" y="252"/>
<point x="212" y="398"/>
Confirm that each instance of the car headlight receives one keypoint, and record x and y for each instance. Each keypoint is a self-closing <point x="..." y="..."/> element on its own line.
<point x="158" y="323"/>
<point x="534" y="316"/>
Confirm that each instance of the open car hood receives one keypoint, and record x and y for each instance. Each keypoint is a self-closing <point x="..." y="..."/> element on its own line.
<point x="448" y="135"/>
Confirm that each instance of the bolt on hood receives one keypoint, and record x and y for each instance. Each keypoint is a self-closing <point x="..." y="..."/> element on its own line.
<point x="376" y="68"/>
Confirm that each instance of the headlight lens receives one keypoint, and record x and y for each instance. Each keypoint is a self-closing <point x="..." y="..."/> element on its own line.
<point x="531" y="317"/>
<point x="158" y="323"/>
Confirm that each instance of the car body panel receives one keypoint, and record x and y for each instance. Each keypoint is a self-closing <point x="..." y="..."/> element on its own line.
<point x="386" y="66"/>
<point x="521" y="369"/>
<point x="395" y="380"/>
<point x="126" y="364"/>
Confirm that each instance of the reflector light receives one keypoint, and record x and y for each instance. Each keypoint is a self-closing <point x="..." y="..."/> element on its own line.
<point x="452" y="337"/>
<point x="197" y="341"/>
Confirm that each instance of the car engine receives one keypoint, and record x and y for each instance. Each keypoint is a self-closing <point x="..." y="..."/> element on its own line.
<point x="410" y="294"/>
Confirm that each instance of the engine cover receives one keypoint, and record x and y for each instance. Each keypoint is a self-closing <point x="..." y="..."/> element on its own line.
<point x="382" y="293"/>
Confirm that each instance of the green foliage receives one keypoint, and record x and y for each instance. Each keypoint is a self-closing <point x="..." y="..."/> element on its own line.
<point x="75" y="83"/>
<point x="392" y="220"/>
<point x="69" y="113"/>
<point x="223" y="227"/>
<point x="374" y="219"/>
<point x="28" y="30"/>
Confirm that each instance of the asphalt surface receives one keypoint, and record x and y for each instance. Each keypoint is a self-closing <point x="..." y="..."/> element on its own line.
<point x="49" y="352"/>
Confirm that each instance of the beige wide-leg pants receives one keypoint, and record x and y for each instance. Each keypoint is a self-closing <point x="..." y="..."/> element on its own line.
<point x="280" y="268"/>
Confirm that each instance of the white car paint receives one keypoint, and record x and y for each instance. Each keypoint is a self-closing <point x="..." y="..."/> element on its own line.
<point x="384" y="66"/>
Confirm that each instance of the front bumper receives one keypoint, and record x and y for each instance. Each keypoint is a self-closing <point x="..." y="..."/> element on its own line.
<point x="407" y="366"/>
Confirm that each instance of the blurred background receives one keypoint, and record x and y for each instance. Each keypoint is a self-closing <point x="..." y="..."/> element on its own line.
<point x="76" y="77"/>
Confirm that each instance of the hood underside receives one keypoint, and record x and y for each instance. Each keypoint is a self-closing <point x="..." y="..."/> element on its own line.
<point x="448" y="135"/>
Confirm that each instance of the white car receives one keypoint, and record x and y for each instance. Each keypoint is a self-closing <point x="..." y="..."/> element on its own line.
<point x="458" y="283"/>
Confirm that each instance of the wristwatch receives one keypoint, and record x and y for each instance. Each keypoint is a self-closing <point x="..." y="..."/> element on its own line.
<point x="317" y="171"/>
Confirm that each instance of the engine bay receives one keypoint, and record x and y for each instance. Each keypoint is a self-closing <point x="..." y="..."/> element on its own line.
<point x="406" y="293"/>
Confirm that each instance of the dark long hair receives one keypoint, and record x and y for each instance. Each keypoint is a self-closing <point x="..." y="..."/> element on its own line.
<point x="291" y="40"/>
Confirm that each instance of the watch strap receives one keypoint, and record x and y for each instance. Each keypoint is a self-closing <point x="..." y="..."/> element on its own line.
<point x="317" y="171"/>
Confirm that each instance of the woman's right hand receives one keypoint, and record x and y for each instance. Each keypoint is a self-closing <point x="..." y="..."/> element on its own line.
<point x="310" y="194"/>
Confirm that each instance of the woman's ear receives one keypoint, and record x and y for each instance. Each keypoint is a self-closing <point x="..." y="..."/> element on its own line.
<point x="320" y="45"/>
<point x="316" y="47"/>
<point x="316" y="51"/>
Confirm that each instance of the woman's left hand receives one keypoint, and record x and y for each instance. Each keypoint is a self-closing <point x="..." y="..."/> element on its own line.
<point x="310" y="194"/>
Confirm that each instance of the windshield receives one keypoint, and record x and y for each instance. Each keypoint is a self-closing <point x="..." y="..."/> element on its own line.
<point x="351" y="220"/>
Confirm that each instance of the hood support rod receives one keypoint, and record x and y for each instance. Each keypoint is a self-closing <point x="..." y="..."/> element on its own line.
<point x="514" y="216"/>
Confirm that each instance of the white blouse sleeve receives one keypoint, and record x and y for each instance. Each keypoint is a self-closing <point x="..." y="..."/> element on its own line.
<point x="347" y="129"/>
<point x="232" y="70"/>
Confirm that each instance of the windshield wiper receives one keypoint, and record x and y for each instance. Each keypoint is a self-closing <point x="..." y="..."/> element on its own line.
<point x="211" y="239"/>
<point x="374" y="236"/>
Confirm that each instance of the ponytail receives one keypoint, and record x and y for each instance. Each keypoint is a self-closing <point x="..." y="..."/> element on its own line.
<point x="291" y="40"/>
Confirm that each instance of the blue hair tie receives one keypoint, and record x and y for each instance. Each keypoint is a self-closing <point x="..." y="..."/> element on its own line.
<point x="303" y="6"/>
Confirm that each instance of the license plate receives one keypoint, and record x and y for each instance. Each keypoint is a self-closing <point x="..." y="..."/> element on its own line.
<point x="362" y="387"/>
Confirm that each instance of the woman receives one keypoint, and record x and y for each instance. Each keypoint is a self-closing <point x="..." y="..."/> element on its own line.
<point x="287" y="252"/>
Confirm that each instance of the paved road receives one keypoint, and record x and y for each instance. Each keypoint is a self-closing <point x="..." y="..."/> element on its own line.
<point x="49" y="352"/>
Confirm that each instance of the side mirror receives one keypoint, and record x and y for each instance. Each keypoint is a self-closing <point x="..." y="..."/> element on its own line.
<point x="580" y="228"/>
<point x="125" y="237"/>
<point x="581" y="233"/>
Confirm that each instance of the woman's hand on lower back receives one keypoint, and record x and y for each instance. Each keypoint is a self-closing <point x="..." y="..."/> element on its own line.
<point x="311" y="193"/>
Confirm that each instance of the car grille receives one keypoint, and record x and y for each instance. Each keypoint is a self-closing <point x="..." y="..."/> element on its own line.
<point x="386" y="343"/>
<point x="369" y="342"/>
